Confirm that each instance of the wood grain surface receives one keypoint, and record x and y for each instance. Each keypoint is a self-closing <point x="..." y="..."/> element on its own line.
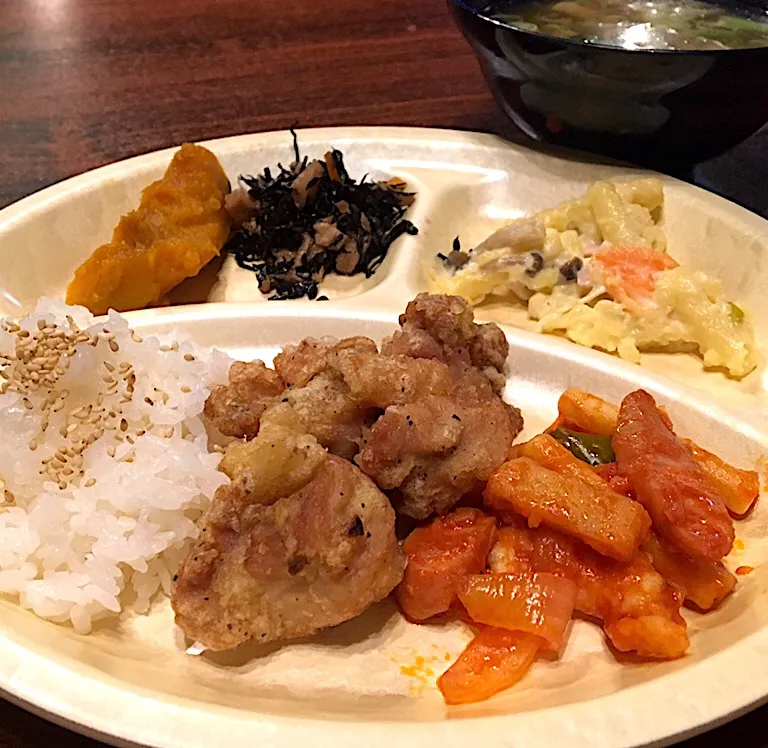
<point x="87" y="82"/>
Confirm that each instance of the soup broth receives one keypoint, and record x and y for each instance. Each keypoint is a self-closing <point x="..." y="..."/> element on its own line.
<point x="640" y="24"/>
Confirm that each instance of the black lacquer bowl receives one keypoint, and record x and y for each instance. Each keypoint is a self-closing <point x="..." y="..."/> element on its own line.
<point x="667" y="110"/>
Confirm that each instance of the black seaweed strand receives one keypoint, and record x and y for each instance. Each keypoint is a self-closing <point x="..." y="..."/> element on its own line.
<point x="295" y="137"/>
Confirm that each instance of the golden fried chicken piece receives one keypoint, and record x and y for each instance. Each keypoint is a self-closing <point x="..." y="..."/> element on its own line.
<point x="317" y="393"/>
<point x="278" y="463"/>
<point x="379" y="381"/>
<point x="297" y="364"/>
<point x="443" y="327"/>
<point x="337" y="389"/>
<point x="300" y="540"/>
<point x="180" y="225"/>
<point x="235" y="409"/>
<point x="373" y="379"/>
<point x="329" y="412"/>
<point x="442" y="439"/>
<point x="639" y="610"/>
<point x="340" y="403"/>
<point x="351" y="397"/>
<point x="436" y="450"/>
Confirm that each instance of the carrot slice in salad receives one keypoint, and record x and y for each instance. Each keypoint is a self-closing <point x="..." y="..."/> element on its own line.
<point x="537" y="604"/>
<point x="440" y="554"/>
<point x="494" y="660"/>
<point x="629" y="273"/>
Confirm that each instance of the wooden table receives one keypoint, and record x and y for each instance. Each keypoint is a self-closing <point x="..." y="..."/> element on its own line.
<point x="86" y="82"/>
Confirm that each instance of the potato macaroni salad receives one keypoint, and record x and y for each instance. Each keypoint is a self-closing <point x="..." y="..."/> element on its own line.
<point x="596" y="270"/>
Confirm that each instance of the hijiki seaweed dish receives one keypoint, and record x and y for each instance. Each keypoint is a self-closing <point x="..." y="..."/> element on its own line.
<point x="312" y="219"/>
<point x="268" y="501"/>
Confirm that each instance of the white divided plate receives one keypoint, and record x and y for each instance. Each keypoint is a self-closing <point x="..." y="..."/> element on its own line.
<point x="371" y="681"/>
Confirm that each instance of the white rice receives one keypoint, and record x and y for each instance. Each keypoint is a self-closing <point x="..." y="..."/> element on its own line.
<point x="84" y="539"/>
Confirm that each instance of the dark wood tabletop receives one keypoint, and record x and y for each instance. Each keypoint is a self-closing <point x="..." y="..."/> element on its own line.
<point x="87" y="82"/>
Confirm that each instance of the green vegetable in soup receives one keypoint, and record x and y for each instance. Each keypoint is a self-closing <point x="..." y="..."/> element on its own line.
<point x="743" y="24"/>
<point x="591" y="448"/>
<point x="640" y="24"/>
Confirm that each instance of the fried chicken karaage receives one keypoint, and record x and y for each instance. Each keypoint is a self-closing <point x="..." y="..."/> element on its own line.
<point x="300" y="540"/>
<point x="423" y="417"/>
<point x="303" y="537"/>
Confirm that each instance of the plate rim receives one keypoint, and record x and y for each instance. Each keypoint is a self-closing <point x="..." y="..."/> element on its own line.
<point x="70" y="186"/>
